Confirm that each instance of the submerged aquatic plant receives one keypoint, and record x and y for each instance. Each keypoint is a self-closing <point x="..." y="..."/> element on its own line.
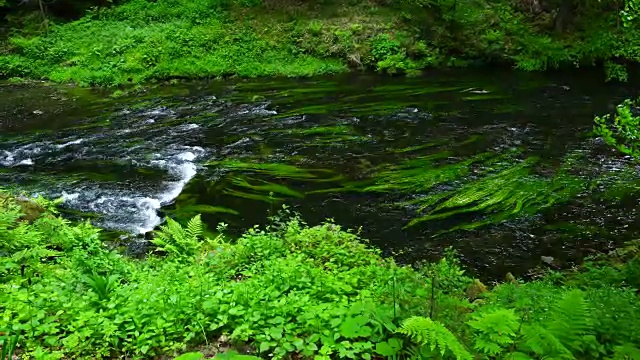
<point x="273" y="169"/>
<point x="498" y="187"/>
<point x="262" y="181"/>
<point x="421" y="173"/>
<point x="501" y="195"/>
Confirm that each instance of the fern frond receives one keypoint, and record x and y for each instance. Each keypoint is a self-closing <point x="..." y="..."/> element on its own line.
<point x="518" y="356"/>
<point x="571" y="321"/>
<point x="427" y="332"/>
<point x="495" y="330"/>
<point x="179" y="241"/>
<point x="626" y="352"/>
<point x="194" y="228"/>
<point x="538" y="340"/>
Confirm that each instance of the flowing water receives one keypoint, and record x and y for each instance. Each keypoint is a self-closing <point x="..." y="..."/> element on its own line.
<point x="499" y="165"/>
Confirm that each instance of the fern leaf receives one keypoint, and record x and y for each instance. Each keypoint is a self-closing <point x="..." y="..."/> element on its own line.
<point x="176" y="240"/>
<point x="571" y="322"/>
<point x="626" y="352"/>
<point x="495" y="330"/>
<point x="540" y="341"/>
<point x="194" y="228"/>
<point x="427" y="332"/>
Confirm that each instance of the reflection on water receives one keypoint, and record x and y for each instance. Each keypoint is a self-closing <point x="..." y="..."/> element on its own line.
<point x="500" y="165"/>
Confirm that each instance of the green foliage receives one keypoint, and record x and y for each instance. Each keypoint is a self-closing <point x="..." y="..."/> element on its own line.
<point x="434" y="335"/>
<point x="499" y="190"/>
<point x="178" y="241"/>
<point x="190" y="356"/>
<point x="102" y="286"/>
<point x="284" y="291"/>
<point x="495" y="330"/>
<point x="9" y="344"/>
<point x="138" y="41"/>
<point x="622" y="130"/>
<point x="234" y="355"/>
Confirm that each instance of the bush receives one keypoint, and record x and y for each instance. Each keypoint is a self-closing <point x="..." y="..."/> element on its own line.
<point x="293" y="289"/>
<point x="622" y="129"/>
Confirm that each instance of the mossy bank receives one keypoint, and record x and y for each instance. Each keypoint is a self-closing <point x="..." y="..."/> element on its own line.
<point x="140" y="41"/>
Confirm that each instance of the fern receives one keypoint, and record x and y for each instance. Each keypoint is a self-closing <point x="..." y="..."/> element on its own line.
<point x="626" y="352"/>
<point x="571" y="322"/>
<point x="540" y="341"/>
<point x="567" y="332"/>
<point x="433" y="334"/>
<point x="179" y="241"/>
<point x="495" y="330"/>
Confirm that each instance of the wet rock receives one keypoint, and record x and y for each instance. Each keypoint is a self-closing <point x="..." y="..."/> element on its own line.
<point x="547" y="259"/>
<point x="510" y="279"/>
<point x="550" y="261"/>
<point x="30" y="209"/>
<point x="475" y="290"/>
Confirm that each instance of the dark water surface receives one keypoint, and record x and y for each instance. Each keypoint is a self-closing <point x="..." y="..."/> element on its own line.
<point x="498" y="164"/>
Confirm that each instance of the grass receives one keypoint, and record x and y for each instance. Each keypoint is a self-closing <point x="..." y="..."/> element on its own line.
<point x="138" y="41"/>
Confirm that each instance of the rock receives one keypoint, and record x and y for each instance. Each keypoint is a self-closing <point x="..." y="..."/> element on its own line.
<point x="547" y="259"/>
<point x="511" y="279"/>
<point x="30" y="209"/>
<point x="550" y="261"/>
<point x="476" y="289"/>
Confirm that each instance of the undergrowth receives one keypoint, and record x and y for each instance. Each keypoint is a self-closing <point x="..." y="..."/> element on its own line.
<point x="138" y="41"/>
<point x="291" y="291"/>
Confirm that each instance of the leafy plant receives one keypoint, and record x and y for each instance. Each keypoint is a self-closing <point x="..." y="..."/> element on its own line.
<point x="180" y="241"/>
<point x="622" y="130"/>
<point x="495" y="330"/>
<point x="434" y="335"/>
<point x="9" y="344"/>
<point x="102" y="286"/>
<point x="292" y="290"/>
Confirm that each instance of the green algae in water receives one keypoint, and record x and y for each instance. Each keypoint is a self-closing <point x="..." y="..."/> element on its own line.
<point x="261" y="181"/>
<point x="504" y="195"/>
<point x="250" y="196"/>
<point x="421" y="174"/>
<point x="205" y="209"/>
<point x="264" y="187"/>
<point x="278" y="170"/>
<point x="495" y="187"/>
<point x="318" y="130"/>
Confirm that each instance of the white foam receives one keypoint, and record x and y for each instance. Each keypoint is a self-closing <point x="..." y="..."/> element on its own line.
<point x="186" y="156"/>
<point x="186" y="172"/>
<point x="70" y="197"/>
<point x="182" y="168"/>
<point x="74" y="142"/>
<point x="25" y="162"/>
<point x="190" y="126"/>
<point x="148" y="207"/>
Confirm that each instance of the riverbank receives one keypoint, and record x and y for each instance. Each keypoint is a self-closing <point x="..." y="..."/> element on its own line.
<point x="140" y="41"/>
<point x="293" y="290"/>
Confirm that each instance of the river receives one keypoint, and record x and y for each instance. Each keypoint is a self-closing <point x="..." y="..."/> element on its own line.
<point x="498" y="164"/>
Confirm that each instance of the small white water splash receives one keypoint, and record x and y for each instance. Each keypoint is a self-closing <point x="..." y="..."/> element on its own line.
<point x="73" y="142"/>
